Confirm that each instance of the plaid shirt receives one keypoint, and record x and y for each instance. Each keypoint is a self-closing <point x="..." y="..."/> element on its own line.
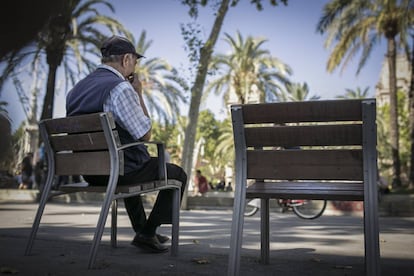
<point x="124" y="104"/>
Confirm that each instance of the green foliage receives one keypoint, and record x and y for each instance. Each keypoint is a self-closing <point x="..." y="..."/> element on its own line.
<point x="217" y="146"/>
<point x="10" y="145"/>
<point x="384" y="147"/>
<point x="192" y="36"/>
<point x="356" y="27"/>
<point x="171" y="135"/>
<point x="225" y="143"/>
<point x="209" y="129"/>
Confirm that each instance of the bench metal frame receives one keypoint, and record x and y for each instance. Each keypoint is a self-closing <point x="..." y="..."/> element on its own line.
<point x="305" y="150"/>
<point x="89" y="145"/>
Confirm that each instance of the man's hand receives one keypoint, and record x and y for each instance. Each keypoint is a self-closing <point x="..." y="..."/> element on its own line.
<point x="136" y="84"/>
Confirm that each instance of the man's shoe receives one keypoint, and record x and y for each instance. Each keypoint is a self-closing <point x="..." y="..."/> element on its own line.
<point x="150" y="244"/>
<point x="162" y="238"/>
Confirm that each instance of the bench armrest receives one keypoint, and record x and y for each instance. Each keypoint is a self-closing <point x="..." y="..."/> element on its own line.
<point x="125" y="146"/>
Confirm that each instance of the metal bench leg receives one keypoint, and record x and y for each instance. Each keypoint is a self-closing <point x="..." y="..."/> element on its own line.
<point x="371" y="237"/>
<point x="371" y="225"/>
<point x="264" y="230"/>
<point x="237" y="230"/>
<point x="371" y="232"/>
<point x="43" y="199"/>
<point x="175" y="222"/>
<point x="114" y="222"/>
<point x="101" y="223"/>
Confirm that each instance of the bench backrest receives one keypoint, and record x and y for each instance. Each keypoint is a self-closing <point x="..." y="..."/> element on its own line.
<point x="307" y="141"/>
<point x="82" y="145"/>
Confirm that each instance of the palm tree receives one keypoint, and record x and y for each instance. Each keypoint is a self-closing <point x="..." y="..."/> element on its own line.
<point x="205" y="54"/>
<point x="248" y="70"/>
<point x="355" y="94"/>
<point x="163" y="88"/>
<point x="356" y="27"/>
<point x="70" y="39"/>
<point x="296" y="92"/>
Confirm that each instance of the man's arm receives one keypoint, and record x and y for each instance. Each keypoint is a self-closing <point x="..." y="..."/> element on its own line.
<point x="136" y="84"/>
<point x="125" y="104"/>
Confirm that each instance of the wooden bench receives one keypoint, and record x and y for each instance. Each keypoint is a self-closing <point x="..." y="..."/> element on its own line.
<point x="306" y="150"/>
<point x="89" y="145"/>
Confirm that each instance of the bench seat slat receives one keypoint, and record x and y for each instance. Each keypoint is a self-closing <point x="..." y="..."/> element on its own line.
<point x="124" y="189"/>
<point x="304" y="194"/>
<point x="79" y="142"/>
<point x="305" y="164"/>
<point x="309" y="135"/>
<point x="78" y="124"/>
<point x="307" y="190"/>
<point x="84" y="163"/>
<point x="311" y="111"/>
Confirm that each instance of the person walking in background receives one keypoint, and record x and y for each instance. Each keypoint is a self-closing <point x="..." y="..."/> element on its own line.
<point x="229" y="188"/>
<point x="114" y="87"/>
<point x="201" y="183"/>
<point x="27" y="171"/>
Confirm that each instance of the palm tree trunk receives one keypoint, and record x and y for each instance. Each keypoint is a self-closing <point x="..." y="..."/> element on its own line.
<point x="394" y="132"/>
<point x="411" y="110"/>
<point x="47" y="111"/>
<point x="6" y="138"/>
<point x="197" y="92"/>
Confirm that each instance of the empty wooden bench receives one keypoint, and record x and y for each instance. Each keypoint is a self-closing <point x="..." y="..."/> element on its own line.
<point x="305" y="150"/>
<point x="89" y="145"/>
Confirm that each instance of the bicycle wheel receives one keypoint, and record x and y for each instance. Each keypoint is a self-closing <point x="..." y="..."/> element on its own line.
<point x="252" y="207"/>
<point x="308" y="209"/>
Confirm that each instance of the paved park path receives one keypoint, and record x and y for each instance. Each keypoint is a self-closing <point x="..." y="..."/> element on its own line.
<point x="330" y="245"/>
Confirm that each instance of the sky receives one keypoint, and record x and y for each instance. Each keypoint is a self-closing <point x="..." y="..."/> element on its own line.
<point x="290" y="32"/>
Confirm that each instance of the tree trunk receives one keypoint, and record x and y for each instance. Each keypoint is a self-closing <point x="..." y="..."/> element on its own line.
<point x="47" y="110"/>
<point x="55" y="40"/>
<point x="6" y="139"/>
<point x="411" y="110"/>
<point x="197" y="92"/>
<point x="394" y="133"/>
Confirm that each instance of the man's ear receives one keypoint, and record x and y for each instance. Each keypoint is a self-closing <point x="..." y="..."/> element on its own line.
<point x="125" y="60"/>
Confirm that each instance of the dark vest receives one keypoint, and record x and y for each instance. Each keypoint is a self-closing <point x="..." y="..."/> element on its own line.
<point x="88" y="96"/>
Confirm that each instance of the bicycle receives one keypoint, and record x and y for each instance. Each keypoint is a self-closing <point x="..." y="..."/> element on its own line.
<point x="303" y="208"/>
